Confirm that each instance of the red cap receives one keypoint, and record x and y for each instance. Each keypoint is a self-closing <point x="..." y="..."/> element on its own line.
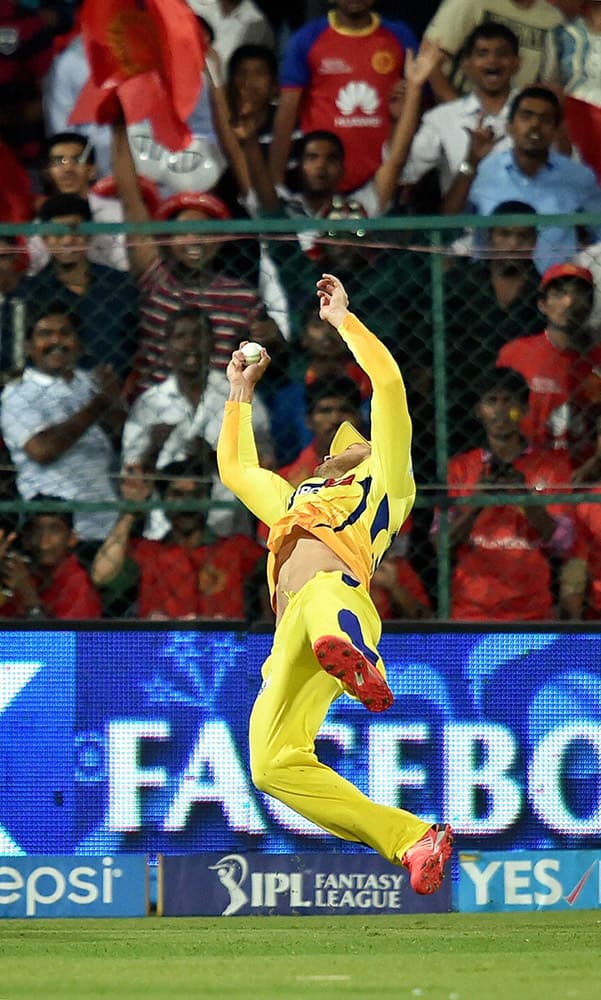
<point x="198" y="201"/>
<point x="566" y="270"/>
<point x="106" y="187"/>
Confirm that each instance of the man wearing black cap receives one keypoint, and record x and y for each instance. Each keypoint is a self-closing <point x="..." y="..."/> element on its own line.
<point x="561" y="364"/>
<point x="326" y="538"/>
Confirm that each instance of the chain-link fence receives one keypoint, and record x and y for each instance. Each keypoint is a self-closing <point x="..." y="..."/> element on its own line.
<point x="505" y="524"/>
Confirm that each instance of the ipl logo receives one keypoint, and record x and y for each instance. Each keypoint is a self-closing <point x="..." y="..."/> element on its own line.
<point x="232" y="872"/>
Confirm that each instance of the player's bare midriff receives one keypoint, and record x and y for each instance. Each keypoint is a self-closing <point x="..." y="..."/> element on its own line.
<point x="300" y="557"/>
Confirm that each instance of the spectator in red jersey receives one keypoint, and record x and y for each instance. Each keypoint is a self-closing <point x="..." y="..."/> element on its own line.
<point x="337" y="73"/>
<point x="322" y="157"/>
<point x="561" y="364"/>
<point x="16" y="192"/>
<point x="396" y="589"/>
<point x="189" y="574"/>
<point x="45" y="579"/>
<point x="329" y="402"/>
<point x="501" y="554"/>
<point x="583" y="576"/>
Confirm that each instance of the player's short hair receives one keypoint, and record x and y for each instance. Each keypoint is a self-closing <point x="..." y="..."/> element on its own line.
<point x="64" y="204"/>
<point x="487" y="31"/>
<point x="341" y="387"/>
<point x="504" y="378"/>
<point x="197" y="468"/>
<point x="319" y="135"/>
<point x="190" y="312"/>
<point x="74" y="137"/>
<point x="56" y="308"/>
<point x="43" y="499"/>
<point x="251" y="51"/>
<point x="538" y="94"/>
<point x="513" y="208"/>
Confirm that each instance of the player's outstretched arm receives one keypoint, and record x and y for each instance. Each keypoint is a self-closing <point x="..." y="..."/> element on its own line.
<point x="264" y="493"/>
<point x="390" y="420"/>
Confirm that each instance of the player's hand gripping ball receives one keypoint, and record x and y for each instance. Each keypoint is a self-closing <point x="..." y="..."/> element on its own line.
<point x="252" y="353"/>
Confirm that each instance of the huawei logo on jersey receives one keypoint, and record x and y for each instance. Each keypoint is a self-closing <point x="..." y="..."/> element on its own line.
<point x="357" y="96"/>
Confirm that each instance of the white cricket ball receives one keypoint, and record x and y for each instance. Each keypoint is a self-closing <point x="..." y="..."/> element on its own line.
<point x="252" y="353"/>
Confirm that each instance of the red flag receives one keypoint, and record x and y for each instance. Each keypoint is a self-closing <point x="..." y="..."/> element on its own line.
<point x="583" y="124"/>
<point x="16" y="193"/>
<point x="149" y="56"/>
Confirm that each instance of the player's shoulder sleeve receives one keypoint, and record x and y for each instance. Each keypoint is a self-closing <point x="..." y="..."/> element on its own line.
<point x="152" y="276"/>
<point x="250" y="553"/>
<point x="452" y="22"/>
<point x="463" y="471"/>
<point x="591" y="192"/>
<point x="26" y="410"/>
<point x="402" y="32"/>
<point x="558" y="469"/>
<point x="486" y="181"/>
<point x="426" y="146"/>
<point x="264" y="493"/>
<point x="550" y="467"/>
<point x="295" y="70"/>
<point x="508" y="353"/>
<point x="390" y="420"/>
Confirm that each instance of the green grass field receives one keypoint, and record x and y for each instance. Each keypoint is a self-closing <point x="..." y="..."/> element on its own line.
<point x="534" y="956"/>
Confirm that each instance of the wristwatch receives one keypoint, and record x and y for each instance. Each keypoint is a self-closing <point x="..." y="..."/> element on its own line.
<point x="466" y="168"/>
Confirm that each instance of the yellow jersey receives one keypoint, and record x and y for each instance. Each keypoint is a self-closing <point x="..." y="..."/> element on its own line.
<point x="356" y="516"/>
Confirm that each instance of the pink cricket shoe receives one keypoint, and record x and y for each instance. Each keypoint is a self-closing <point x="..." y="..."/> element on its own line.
<point x="340" y="659"/>
<point x="426" y="859"/>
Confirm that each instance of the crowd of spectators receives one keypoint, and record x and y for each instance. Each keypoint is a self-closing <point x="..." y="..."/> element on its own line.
<point x="113" y="346"/>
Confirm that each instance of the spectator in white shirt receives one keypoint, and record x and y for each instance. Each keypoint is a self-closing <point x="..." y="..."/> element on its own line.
<point x="58" y="422"/>
<point x="490" y="60"/>
<point x="181" y="416"/>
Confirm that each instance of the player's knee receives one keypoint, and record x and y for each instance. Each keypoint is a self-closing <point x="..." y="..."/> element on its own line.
<point x="267" y="768"/>
<point x="261" y="766"/>
<point x="264" y="777"/>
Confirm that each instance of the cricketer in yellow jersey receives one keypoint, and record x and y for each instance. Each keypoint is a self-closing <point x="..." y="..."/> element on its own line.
<point x="326" y="539"/>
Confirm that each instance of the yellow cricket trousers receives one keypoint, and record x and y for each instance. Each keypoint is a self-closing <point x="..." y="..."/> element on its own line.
<point x="292" y="704"/>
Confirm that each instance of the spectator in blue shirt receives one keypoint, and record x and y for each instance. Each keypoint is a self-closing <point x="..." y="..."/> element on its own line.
<point x="531" y="172"/>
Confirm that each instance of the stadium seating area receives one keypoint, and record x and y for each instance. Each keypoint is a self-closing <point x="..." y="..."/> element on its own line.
<point x="441" y="164"/>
